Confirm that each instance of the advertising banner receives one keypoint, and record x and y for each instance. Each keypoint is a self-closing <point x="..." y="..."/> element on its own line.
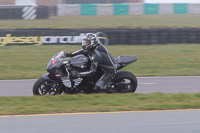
<point x="118" y="36"/>
<point x="151" y="8"/>
<point x="47" y="37"/>
<point x="180" y="8"/>
<point x="121" y="9"/>
<point x="128" y="9"/>
<point x="88" y="9"/>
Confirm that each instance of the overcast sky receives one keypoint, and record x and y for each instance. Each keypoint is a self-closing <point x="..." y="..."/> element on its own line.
<point x="172" y="1"/>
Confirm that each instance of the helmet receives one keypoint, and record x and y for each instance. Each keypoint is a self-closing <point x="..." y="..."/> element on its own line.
<point x="89" y="41"/>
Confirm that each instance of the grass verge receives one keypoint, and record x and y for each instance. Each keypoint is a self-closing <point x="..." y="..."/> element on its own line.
<point x="126" y="21"/>
<point x="97" y="102"/>
<point x="28" y="62"/>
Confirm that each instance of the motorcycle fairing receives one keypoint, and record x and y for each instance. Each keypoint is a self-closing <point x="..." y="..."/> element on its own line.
<point x="80" y="61"/>
<point x="123" y="61"/>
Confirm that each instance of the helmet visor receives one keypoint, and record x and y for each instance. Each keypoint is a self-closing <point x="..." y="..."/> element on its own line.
<point x="85" y="42"/>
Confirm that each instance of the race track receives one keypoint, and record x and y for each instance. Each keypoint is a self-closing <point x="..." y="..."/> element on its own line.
<point x="184" y="84"/>
<point x="187" y="121"/>
<point x="182" y="121"/>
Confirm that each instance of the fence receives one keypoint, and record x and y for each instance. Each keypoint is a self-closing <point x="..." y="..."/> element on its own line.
<point x="108" y="36"/>
<point x="127" y="9"/>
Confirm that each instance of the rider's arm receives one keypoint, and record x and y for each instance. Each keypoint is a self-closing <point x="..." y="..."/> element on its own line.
<point x="93" y="66"/>
<point x="81" y="51"/>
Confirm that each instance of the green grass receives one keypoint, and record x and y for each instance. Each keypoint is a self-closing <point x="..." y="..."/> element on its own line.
<point x="127" y="21"/>
<point x="28" y="62"/>
<point x="21" y="62"/>
<point x="97" y="102"/>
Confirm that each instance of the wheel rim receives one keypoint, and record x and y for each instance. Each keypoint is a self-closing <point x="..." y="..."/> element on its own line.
<point x="124" y="85"/>
<point x="49" y="88"/>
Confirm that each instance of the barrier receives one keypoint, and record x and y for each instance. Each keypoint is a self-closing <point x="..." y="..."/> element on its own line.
<point x="43" y="12"/>
<point x="29" y="13"/>
<point x="24" y="12"/>
<point x="106" y="36"/>
<point x="105" y="9"/>
<point x="10" y="13"/>
<point x="121" y="9"/>
<point x="151" y="8"/>
<point x="64" y="10"/>
<point x="180" y="8"/>
<point x="128" y="9"/>
<point x="88" y="9"/>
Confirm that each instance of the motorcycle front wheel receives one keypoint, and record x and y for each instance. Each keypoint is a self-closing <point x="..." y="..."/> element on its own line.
<point x="47" y="87"/>
<point x="125" y="82"/>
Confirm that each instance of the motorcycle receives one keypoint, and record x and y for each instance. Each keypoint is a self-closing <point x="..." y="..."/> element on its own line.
<point x="58" y="80"/>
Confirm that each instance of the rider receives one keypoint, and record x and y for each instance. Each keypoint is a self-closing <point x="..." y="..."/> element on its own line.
<point x="100" y="57"/>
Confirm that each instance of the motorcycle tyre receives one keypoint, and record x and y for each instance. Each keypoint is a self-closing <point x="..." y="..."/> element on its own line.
<point x="127" y="75"/>
<point x="38" y="84"/>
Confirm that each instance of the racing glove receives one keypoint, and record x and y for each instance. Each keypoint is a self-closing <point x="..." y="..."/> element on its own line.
<point x="67" y="54"/>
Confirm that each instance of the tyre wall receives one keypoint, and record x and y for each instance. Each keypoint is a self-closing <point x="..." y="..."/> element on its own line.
<point x="24" y="12"/>
<point x="106" y="36"/>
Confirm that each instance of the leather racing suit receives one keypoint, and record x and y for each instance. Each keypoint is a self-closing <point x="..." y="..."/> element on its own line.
<point x="99" y="57"/>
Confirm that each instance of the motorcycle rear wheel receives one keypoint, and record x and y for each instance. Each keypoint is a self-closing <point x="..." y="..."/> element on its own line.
<point x="125" y="82"/>
<point x="47" y="87"/>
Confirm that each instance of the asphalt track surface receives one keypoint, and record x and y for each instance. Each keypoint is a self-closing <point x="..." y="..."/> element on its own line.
<point x="186" y="121"/>
<point x="179" y="121"/>
<point x="146" y="85"/>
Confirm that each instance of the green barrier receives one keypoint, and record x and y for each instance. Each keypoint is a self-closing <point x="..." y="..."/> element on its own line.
<point x="88" y="9"/>
<point x="151" y="8"/>
<point x="121" y="9"/>
<point x="180" y="8"/>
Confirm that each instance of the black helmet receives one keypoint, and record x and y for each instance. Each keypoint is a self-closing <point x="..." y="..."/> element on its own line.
<point x="89" y="41"/>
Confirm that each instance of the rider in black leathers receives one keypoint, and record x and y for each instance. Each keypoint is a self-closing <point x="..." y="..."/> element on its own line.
<point x="99" y="56"/>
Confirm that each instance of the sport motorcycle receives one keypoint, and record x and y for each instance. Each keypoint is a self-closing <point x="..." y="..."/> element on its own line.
<point x="58" y="80"/>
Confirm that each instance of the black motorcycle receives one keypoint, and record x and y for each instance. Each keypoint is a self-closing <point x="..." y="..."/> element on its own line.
<point x="59" y="81"/>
